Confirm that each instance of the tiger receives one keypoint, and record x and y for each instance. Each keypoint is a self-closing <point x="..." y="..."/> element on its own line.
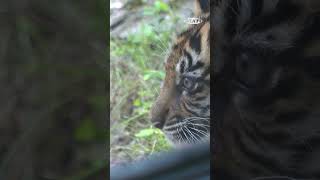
<point x="266" y="69"/>
<point x="182" y="109"/>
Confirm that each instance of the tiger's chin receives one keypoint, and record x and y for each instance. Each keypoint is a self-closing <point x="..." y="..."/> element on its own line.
<point x="178" y="144"/>
<point x="181" y="140"/>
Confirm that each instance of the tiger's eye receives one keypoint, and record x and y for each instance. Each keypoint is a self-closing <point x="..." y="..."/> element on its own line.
<point x="188" y="83"/>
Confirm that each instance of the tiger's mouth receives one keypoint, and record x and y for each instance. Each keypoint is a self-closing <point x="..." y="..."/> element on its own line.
<point x="190" y="130"/>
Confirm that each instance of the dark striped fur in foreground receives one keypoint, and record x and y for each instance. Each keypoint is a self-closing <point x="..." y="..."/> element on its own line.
<point x="266" y="64"/>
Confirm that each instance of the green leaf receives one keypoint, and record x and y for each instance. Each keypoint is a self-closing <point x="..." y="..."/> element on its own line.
<point x="137" y="102"/>
<point x="147" y="132"/>
<point x="147" y="30"/>
<point x="148" y="11"/>
<point x="161" y="6"/>
<point x="86" y="131"/>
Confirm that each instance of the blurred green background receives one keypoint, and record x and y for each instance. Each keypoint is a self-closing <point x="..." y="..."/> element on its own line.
<point x="53" y="79"/>
<point x="141" y="32"/>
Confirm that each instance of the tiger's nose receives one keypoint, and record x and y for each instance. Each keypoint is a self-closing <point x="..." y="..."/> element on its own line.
<point x="158" y="118"/>
<point x="158" y="122"/>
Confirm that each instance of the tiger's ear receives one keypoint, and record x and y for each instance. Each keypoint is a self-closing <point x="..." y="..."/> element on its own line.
<point x="201" y="7"/>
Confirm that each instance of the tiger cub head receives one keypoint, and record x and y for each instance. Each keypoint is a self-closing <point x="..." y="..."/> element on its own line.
<point x="266" y="87"/>
<point x="182" y="109"/>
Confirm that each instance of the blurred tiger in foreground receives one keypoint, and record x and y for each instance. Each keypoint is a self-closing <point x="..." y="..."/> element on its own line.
<point x="266" y="56"/>
<point x="182" y="109"/>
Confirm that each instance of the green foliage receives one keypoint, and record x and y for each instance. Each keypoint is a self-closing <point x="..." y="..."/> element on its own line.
<point x="146" y="133"/>
<point x="158" y="7"/>
<point x="155" y="138"/>
<point x="53" y="71"/>
<point x="87" y="131"/>
<point x="161" y="6"/>
<point x="153" y="135"/>
<point x="153" y="74"/>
